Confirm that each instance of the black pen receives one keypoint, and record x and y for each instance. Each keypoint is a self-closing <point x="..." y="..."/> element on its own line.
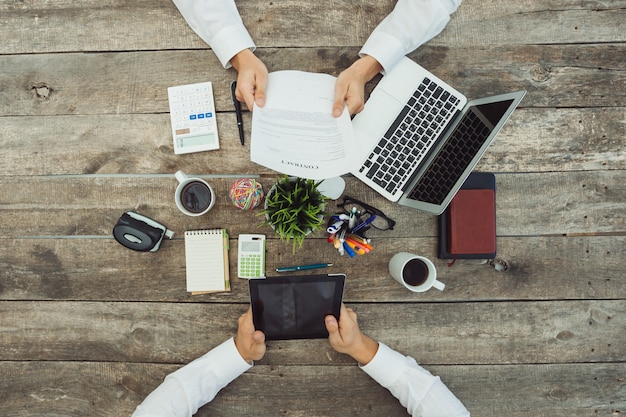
<point x="233" y="87"/>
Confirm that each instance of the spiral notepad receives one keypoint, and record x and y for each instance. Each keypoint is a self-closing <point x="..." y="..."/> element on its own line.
<point x="206" y="258"/>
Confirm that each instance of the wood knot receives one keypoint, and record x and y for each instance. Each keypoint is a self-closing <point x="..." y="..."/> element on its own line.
<point x="558" y="393"/>
<point x="142" y="336"/>
<point x="131" y="384"/>
<point x="565" y="335"/>
<point x="500" y="265"/>
<point x="42" y="90"/>
<point x="541" y="73"/>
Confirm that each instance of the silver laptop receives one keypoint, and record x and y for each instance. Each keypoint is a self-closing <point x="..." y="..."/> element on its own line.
<point x="420" y="138"/>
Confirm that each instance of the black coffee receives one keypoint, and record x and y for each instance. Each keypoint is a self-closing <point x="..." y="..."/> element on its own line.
<point x="196" y="197"/>
<point x="415" y="272"/>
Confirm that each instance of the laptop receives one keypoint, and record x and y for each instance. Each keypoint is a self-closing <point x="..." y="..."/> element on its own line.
<point x="420" y="138"/>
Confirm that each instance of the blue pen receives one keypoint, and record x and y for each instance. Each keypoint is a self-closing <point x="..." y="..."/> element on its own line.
<point x="365" y="223"/>
<point x="302" y="267"/>
<point x="348" y="250"/>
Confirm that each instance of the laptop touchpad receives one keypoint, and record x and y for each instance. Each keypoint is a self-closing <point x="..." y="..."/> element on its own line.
<point x="380" y="111"/>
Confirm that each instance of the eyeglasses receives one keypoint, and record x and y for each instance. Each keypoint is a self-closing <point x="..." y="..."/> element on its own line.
<point x="364" y="211"/>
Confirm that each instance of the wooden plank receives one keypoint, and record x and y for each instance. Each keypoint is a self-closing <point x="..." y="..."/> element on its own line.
<point x="533" y="140"/>
<point x="539" y="268"/>
<point x="141" y="25"/>
<point x="531" y="332"/>
<point x="90" y="328"/>
<point x="136" y="82"/>
<point x="115" y="389"/>
<point x="562" y="202"/>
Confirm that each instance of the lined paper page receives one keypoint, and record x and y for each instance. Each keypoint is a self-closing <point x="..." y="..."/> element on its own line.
<point x="205" y="260"/>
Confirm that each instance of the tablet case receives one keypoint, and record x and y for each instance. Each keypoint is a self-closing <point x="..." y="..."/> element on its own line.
<point x="294" y="307"/>
<point x="467" y="229"/>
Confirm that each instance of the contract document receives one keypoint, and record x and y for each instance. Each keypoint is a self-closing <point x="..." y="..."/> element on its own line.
<point x="295" y="132"/>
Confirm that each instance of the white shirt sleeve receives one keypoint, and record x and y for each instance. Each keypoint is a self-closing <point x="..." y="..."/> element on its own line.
<point x="184" y="391"/>
<point x="219" y="24"/>
<point x="410" y="24"/>
<point x="423" y="394"/>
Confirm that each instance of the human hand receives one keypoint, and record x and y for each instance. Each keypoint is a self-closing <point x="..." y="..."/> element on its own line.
<point x="249" y="342"/>
<point x="346" y="337"/>
<point x="251" y="78"/>
<point x="350" y="85"/>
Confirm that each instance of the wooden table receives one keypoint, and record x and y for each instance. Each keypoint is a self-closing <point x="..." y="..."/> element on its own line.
<point x="88" y="327"/>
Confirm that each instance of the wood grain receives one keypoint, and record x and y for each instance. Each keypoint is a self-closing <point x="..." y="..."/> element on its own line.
<point x="533" y="140"/>
<point x="435" y="333"/>
<point x="145" y="25"/>
<point x="89" y="328"/>
<point x="562" y="202"/>
<point x="46" y="388"/>
<point x="136" y="82"/>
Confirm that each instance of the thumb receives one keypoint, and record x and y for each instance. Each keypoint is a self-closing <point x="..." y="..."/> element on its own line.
<point x="331" y="325"/>
<point x="259" y="91"/>
<point x="340" y="98"/>
<point x="338" y="108"/>
<point x="258" y="337"/>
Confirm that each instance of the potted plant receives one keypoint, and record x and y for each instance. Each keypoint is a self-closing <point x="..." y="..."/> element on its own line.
<point x="294" y="207"/>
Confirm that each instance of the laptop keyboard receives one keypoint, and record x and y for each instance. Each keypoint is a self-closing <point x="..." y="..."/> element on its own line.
<point x="410" y="136"/>
<point x="451" y="160"/>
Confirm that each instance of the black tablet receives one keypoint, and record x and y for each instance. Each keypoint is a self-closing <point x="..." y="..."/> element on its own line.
<point x="294" y="307"/>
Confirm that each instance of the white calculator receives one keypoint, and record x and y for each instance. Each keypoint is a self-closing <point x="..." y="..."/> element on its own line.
<point x="192" y="112"/>
<point x="251" y="256"/>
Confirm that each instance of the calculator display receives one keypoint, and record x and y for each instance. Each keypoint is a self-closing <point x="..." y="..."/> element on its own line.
<point x="190" y="141"/>
<point x="250" y="246"/>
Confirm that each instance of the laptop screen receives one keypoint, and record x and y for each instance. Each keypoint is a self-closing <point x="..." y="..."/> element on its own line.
<point x="451" y="161"/>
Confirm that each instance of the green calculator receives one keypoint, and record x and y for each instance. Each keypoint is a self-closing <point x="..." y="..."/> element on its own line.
<point x="251" y="256"/>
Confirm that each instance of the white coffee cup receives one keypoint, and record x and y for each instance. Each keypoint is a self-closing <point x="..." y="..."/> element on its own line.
<point x="194" y="196"/>
<point x="415" y="272"/>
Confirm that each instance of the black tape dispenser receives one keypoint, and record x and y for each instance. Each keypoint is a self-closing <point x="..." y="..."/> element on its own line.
<point x="139" y="232"/>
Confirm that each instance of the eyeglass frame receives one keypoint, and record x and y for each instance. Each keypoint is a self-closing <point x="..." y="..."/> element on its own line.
<point x="368" y="209"/>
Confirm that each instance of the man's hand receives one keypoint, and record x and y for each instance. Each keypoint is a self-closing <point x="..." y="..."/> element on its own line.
<point x="346" y="337"/>
<point x="251" y="78"/>
<point x="350" y="85"/>
<point x="250" y="342"/>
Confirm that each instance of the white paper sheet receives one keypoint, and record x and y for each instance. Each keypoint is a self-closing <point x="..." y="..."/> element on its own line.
<point x="295" y="132"/>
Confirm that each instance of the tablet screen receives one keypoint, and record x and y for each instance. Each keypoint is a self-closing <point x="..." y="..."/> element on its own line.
<point x="294" y="307"/>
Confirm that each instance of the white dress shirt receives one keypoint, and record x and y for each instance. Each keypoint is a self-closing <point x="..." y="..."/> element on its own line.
<point x="410" y="24"/>
<point x="184" y="391"/>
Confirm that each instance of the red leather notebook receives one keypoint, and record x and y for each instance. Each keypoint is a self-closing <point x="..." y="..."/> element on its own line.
<point x="472" y="223"/>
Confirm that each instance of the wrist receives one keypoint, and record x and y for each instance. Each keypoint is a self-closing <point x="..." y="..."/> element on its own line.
<point x="241" y="353"/>
<point x="367" y="67"/>
<point x="240" y="57"/>
<point x="366" y="351"/>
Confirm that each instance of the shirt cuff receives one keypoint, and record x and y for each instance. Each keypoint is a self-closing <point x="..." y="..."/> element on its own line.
<point x="386" y="366"/>
<point x="218" y="367"/>
<point x="229" y="42"/>
<point x="227" y="362"/>
<point x="386" y="49"/>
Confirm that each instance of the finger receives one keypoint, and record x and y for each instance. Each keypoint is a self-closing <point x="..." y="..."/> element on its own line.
<point x="261" y="87"/>
<point x="248" y="98"/>
<point x="355" y="105"/>
<point x="341" y="89"/>
<point x="355" y="99"/>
